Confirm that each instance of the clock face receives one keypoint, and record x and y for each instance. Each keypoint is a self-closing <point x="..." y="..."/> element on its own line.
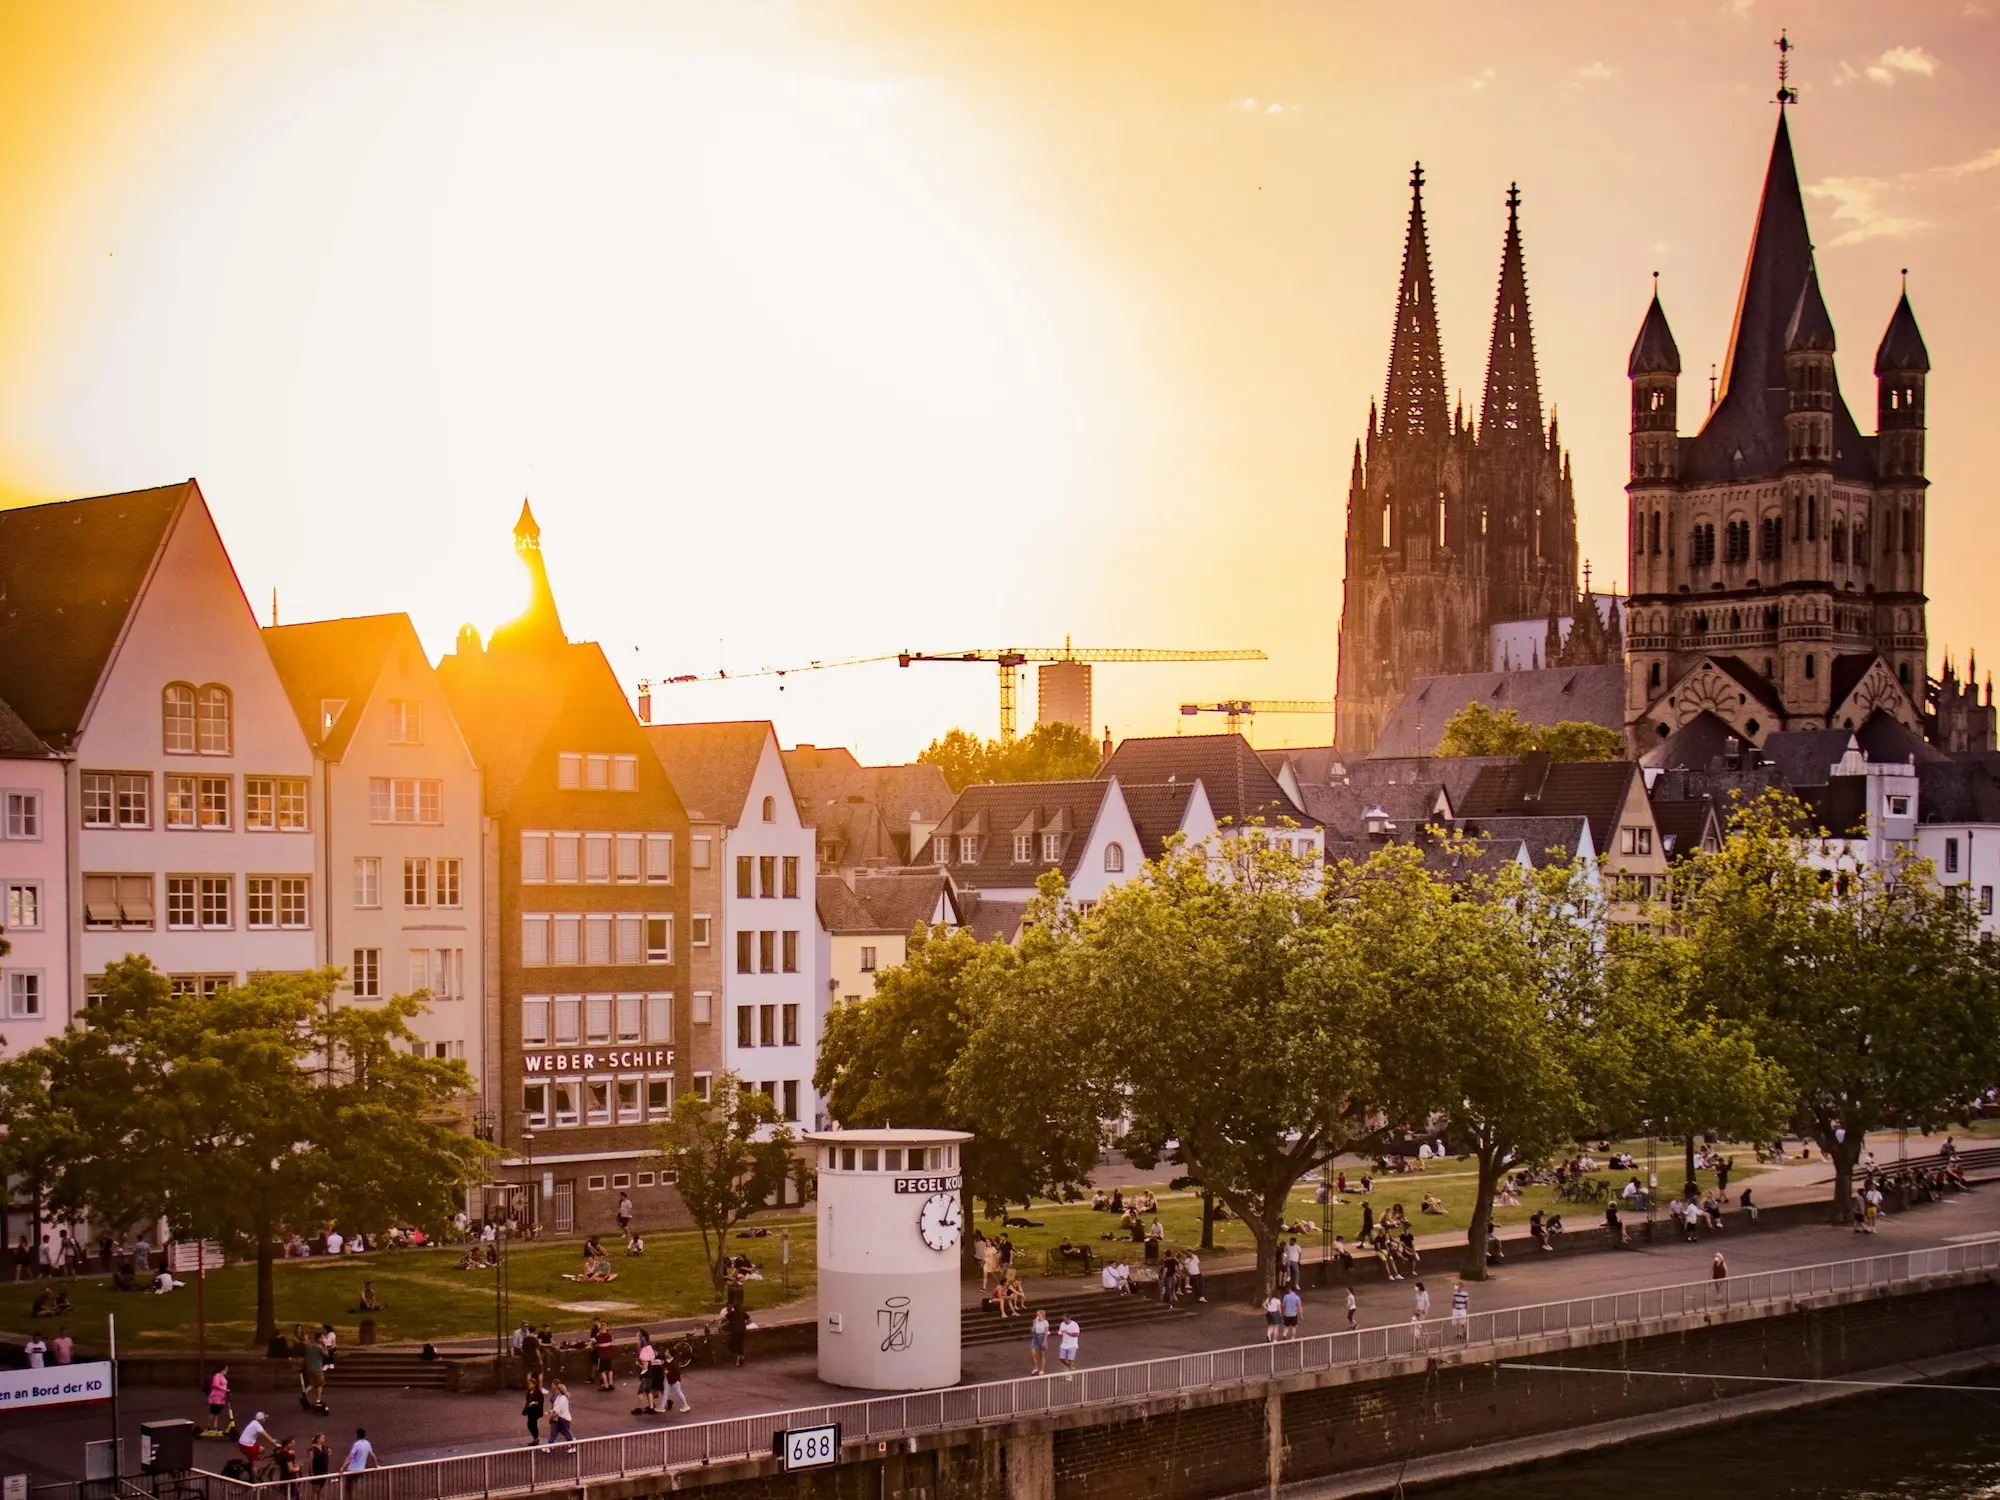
<point x="938" y="1222"/>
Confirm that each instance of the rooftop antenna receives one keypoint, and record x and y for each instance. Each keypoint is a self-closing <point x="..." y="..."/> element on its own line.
<point x="1786" y="93"/>
<point x="274" y="605"/>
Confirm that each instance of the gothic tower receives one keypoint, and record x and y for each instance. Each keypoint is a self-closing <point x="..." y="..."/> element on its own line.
<point x="1777" y="554"/>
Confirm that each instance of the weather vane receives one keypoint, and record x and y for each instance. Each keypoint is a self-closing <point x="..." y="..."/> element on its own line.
<point x="1786" y="93"/>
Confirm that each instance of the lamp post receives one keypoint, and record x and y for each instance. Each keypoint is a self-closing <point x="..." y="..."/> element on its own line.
<point x="534" y="1215"/>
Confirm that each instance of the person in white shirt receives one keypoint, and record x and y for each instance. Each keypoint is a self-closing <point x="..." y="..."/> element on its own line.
<point x="334" y="1243"/>
<point x="361" y="1455"/>
<point x="1191" y="1268"/>
<point x="1068" y="1333"/>
<point x="250" y="1441"/>
<point x="1274" y="1315"/>
<point x="36" y="1350"/>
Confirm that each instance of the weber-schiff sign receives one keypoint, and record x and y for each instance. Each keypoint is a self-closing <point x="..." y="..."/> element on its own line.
<point x="611" y="1060"/>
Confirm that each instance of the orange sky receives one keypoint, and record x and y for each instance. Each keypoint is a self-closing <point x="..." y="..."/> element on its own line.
<point x="820" y="330"/>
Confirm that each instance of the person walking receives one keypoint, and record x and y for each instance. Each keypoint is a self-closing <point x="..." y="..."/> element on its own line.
<point x="1461" y="1311"/>
<point x="1872" y="1203"/>
<point x="624" y="1213"/>
<point x="735" y="1321"/>
<point x="1353" y="1310"/>
<point x="559" y="1428"/>
<point x="1423" y="1302"/>
<point x="1293" y="1255"/>
<point x="319" y="1462"/>
<point x="312" y="1369"/>
<point x="1718" y="1269"/>
<point x="670" y="1378"/>
<point x="1069" y="1334"/>
<point x="1274" y="1314"/>
<point x="1191" y="1268"/>
<point x="361" y="1454"/>
<point x="1038" y="1343"/>
<point x="1292" y="1305"/>
<point x="647" y="1358"/>
<point x="604" y="1352"/>
<point x="532" y="1407"/>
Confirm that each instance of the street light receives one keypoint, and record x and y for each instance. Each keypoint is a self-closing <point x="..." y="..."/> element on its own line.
<point x="534" y="1214"/>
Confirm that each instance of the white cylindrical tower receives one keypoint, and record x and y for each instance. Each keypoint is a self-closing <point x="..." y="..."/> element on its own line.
<point x="889" y="1222"/>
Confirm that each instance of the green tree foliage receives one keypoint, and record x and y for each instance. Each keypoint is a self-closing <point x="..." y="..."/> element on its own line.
<point x="729" y="1153"/>
<point x="893" y="1060"/>
<point x="1870" y="986"/>
<point x="240" y="1116"/>
<point x="1478" y="730"/>
<point x="1054" y="751"/>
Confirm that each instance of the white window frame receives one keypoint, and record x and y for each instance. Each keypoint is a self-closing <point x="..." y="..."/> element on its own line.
<point x="416" y="883"/>
<point x="868" y="958"/>
<point x="704" y="1008"/>
<point x="629" y="858"/>
<point x="701" y="927"/>
<point x="24" y="896"/>
<point x="365" y="976"/>
<point x="624" y="773"/>
<point x="534" y="856"/>
<point x="569" y="771"/>
<point x="448" y="884"/>
<point x="536" y="1019"/>
<point x="27" y="995"/>
<point x="658" y="1019"/>
<point x="598" y="859"/>
<point x="20" y="814"/>
<point x="406" y="721"/>
<point x="568" y="947"/>
<point x="535" y="1102"/>
<point x="662" y="952"/>
<point x="591" y="1115"/>
<point x="702" y="855"/>
<point x="660" y="858"/>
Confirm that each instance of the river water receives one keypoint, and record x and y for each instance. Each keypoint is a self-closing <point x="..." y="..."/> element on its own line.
<point x="1912" y="1445"/>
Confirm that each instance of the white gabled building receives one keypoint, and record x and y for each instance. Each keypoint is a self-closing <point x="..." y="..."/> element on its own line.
<point x="190" y="808"/>
<point x="774" y="996"/>
<point x="400" y="887"/>
<point x="34" y="887"/>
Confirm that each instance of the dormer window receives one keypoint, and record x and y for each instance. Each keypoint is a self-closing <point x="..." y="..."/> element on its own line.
<point x="1377" y="820"/>
<point x="330" y="710"/>
<point x="941" y="848"/>
<point x="1051" y="848"/>
<point x="1024" y="848"/>
<point x="968" y="848"/>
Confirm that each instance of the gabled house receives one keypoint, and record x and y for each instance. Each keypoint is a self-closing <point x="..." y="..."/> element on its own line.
<point x="867" y="927"/>
<point x="865" y="817"/>
<point x="35" y="975"/>
<point x="1609" y="795"/>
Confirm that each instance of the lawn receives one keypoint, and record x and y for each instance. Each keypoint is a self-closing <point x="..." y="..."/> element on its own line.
<point x="424" y="1295"/>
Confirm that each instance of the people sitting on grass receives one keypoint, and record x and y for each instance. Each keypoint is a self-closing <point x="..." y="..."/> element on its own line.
<point x="1146" y="1203"/>
<point x="1100" y="1202"/>
<point x="1507" y="1197"/>
<point x="50" y="1304"/>
<point x="482" y="1257"/>
<point x="1432" y="1204"/>
<point x="369" y="1303"/>
<point x="635" y="1244"/>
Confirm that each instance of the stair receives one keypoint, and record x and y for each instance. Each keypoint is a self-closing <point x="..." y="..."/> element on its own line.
<point x="980" y="1326"/>
<point x="385" y="1369"/>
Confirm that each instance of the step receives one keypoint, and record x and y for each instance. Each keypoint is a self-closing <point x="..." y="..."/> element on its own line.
<point x="979" y="1327"/>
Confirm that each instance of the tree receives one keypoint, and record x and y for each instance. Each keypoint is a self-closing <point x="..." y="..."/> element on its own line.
<point x="893" y="1060"/>
<point x="1868" y="983"/>
<point x="1217" y="998"/>
<point x="729" y="1153"/>
<point x="1478" y="730"/>
<point x="244" y="1114"/>
<point x="1055" y="751"/>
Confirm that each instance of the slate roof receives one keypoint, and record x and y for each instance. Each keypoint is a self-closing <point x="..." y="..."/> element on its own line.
<point x="865" y="810"/>
<point x="324" y="659"/>
<point x="1682" y="823"/>
<point x="1546" y="838"/>
<point x="1344" y="809"/>
<point x="1654" y="351"/>
<point x="1811" y="327"/>
<point x="840" y="910"/>
<point x="1553" y="695"/>
<point x="1744" y="436"/>
<point x="17" y="740"/>
<point x="1240" y="787"/>
<point x="70" y="573"/>
<point x="1844" y="674"/>
<point x="1954" y="791"/>
<point x="1751" y="680"/>
<point x="899" y="899"/>
<point x="1902" y="347"/>
<point x="992" y="921"/>
<point x="712" y="765"/>
<point x="1883" y="738"/>
<point x="1536" y="787"/>
<point x="1696" y="745"/>
<point x="1312" y="765"/>
<point x="994" y="811"/>
<point x="1157" y="812"/>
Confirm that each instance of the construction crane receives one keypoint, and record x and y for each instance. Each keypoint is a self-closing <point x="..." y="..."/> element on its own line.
<point x="1239" y="709"/>
<point x="1010" y="659"/>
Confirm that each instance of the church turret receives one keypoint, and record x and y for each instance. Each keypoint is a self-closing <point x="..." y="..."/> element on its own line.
<point x="1901" y="364"/>
<point x="1809" y="379"/>
<point x="538" y="627"/>
<point x="1654" y="368"/>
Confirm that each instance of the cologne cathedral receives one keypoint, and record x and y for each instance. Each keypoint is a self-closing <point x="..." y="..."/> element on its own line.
<point x="1451" y="527"/>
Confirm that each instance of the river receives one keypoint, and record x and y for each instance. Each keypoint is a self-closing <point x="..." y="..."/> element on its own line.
<point x="1937" y="1445"/>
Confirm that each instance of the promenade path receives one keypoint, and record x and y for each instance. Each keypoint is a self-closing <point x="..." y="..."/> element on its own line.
<point x="422" y="1424"/>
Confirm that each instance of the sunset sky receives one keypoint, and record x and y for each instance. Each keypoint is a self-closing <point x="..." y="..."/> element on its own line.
<point x="820" y="330"/>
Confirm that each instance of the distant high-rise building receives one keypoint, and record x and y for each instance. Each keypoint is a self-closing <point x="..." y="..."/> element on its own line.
<point x="1062" y="694"/>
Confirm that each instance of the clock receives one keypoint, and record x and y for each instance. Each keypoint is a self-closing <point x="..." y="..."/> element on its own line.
<point x="938" y="1222"/>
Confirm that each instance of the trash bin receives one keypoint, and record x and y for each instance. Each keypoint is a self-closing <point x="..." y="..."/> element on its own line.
<point x="367" y="1331"/>
<point x="166" y="1447"/>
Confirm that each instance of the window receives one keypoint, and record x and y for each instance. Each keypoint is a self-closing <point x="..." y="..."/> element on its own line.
<point x="216" y="737"/>
<point x="1812" y="668"/>
<point x="743" y="953"/>
<point x="624" y="773"/>
<point x="199" y="902"/>
<point x="631" y="853"/>
<point x="704" y="1084"/>
<point x="597" y="858"/>
<point x="703" y="847"/>
<point x="24" y="994"/>
<point x="271" y="802"/>
<point x="441" y="971"/>
<point x="566" y="1111"/>
<point x="416" y="882"/>
<point x="447" y="883"/>
<point x="216" y="894"/>
<point x="405" y="799"/>
<point x="659" y="940"/>
<point x="534" y="857"/>
<point x="770" y="809"/>
<point x="791" y="1022"/>
<point x="23" y="816"/>
<point x="941" y="848"/>
<point x="366" y="973"/>
<point x="535" y="1103"/>
<point x="597" y="931"/>
<point x="791" y="1104"/>
<point x="867" y="960"/>
<point x="660" y="856"/>
<point x="406" y="721"/>
<point x="1986" y="901"/>
<point x="24" y="906"/>
<point x="110" y="800"/>
<point x="534" y="1020"/>
<point x="968" y="848"/>
<point x="767" y="953"/>
<point x="569" y="1020"/>
<point x="274" y="901"/>
<point x="596" y="773"/>
<point x="117" y="901"/>
<point x="367" y="882"/>
<point x="791" y="875"/>
<point x="177" y="716"/>
<point x="631" y="944"/>
<point x="1951" y="856"/>
<point x="745" y="1026"/>
<point x="1628" y="841"/>
<point x="767" y="1025"/>
<point x="1899" y="807"/>
<point x="628" y="1114"/>
<point x="790" y="952"/>
<point x="659" y="1104"/>
<point x="534" y="939"/>
<point x="597" y="1014"/>
<point x="698" y="928"/>
<point x="1051" y="848"/>
<point x="568" y="947"/>
<point x="1645" y="841"/>
<point x="1114" y="859"/>
<point x="659" y="1018"/>
<point x="569" y="858"/>
<point x="767" y="875"/>
<point x="569" y="771"/>
<point x="743" y="876"/>
<point x="1024" y="848"/>
<point x="704" y="1008"/>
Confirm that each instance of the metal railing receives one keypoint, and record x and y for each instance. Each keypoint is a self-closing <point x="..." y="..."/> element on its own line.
<point x="636" y="1454"/>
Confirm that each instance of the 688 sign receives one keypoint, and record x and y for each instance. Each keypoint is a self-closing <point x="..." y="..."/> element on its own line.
<point x="807" y="1447"/>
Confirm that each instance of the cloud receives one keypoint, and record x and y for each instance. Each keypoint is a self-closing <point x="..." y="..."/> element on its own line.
<point x="1867" y="208"/>
<point x="1590" y="72"/>
<point x="1907" y="62"/>
<point x="1844" y="74"/>
<point x="1478" y="82"/>
<point x="1738" y="8"/>
<point x="1249" y="104"/>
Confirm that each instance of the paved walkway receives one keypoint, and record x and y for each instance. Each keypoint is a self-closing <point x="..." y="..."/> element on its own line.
<point x="421" y="1424"/>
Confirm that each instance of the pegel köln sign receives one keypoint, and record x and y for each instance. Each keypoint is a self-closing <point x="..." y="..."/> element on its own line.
<point x="612" y="1060"/>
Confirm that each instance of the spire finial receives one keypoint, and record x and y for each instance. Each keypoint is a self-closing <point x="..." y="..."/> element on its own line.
<point x="1711" y="385"/>
<point x="1906" y="281"/>
<point x="1417" y="179"/>
<point x="1513" y="199"/>
<point x="1586" y="575"/>
<point x="1786" y="93"/>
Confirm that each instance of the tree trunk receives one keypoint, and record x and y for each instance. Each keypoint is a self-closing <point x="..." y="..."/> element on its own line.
<point x="1688" y="1169"/>
<point x="1843" y="1155"/>
<point x="1207" y="1219"/>
<point x="1267" y="1237"/>
<point x="267" y="1293"/>
<point x="1474" y="1268"/>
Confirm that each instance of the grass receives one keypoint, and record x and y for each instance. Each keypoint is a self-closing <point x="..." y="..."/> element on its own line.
<point x="424" y="1295"/>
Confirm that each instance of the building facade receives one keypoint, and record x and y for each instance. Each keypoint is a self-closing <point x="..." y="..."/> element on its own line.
<point x="1777" y="553"/>
<point x="35" y="978"/>
<point x="586" y="908"/>
<point x="400" y="817"/>
<point x="1451" y="527"/>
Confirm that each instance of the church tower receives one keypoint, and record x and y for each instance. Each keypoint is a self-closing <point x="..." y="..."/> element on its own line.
<point x="538" y="627"/>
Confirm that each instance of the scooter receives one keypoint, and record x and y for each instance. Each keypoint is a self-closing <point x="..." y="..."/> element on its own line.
<point x="226" y="1430"/>
<point x="306" y="1402"/>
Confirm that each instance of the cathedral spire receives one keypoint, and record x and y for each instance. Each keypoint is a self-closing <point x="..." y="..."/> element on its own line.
<point x="1415" y="403"/>
<point x="539" y="626"/>
<point x="1513" y="403"/>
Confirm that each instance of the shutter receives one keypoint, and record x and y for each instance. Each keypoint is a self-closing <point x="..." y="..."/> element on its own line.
<point x="659" y="1018"/>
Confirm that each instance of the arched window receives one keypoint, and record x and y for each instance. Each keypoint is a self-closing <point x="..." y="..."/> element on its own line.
<point x="1114" y="859"/>
<point x="1655" y="679"/>
<point x="177" y="719"/>
<point x="1812" y="518"/>
<point x="217" y="728"/>
<point x="1656" y="534"/>
<point x="770" y="809"/>
<point x="1839" y="540"/>
<point x="1812" y="668"/>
